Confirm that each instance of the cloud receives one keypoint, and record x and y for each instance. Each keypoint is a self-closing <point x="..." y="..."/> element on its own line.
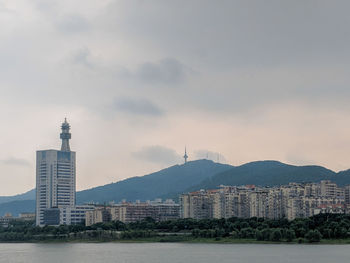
<point x="274" y="79"/>
<point x="167" y="71"/>
<point x="137" y="107"/>
<point x="158" y="154"/>
<point x="251" y="55"/>
<point x="205" y="154"/>
<point x="238" y="33"/>
<point x="15" y="162"/>
<point x="64" y="19"/>
<point x="72" y="24"/>
<point x="4" y="9"/>
<point x="81" y="56"/>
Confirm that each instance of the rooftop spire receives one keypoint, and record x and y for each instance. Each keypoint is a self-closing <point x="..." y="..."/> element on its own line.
<point x="185" y="156"/>
<point x="65" y="136"/>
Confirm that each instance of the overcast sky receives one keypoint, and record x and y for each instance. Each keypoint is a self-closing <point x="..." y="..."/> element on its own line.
<point x="138" y="80"/>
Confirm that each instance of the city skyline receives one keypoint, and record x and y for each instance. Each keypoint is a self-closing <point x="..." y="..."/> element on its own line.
<point x="140" y="81"/>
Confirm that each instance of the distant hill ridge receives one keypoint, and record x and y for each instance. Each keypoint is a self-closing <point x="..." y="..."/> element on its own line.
<point x="30" y="195"/>
<point x="200" y="174"/>
<point x="172" y="180"/>
<point x="273" y="173"/>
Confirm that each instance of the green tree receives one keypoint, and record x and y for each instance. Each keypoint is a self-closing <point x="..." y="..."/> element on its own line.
<point x="290" y="235"/>
<point x="259" y="235"/>
<point x="247" y="232"/>
<point x="195" y="232"/>
<point x="266" y="234"/>
<point x="276" y="235"/>
<point x="313" y="236"/>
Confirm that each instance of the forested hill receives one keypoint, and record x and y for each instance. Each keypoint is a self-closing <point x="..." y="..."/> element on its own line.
<point x="201" y="174"/>
<point x="30" y="195"/>
<point x="273" y="173"/>
<point x="165" y="183"/>
<point x="168" y="182"/>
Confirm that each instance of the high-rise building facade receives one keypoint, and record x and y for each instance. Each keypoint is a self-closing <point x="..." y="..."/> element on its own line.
<point x="55" y="177"/>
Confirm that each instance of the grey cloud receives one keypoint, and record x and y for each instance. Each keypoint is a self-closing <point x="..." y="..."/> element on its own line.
<point x="66" y="22"/>
<point x="210" y="155"/>
<point x="81" y="57"/>
<point x="166" y="71"/>
<point x="137" y="106"/>
<point x="72" y="23"/>
<point x="239" y="33"/>
<point x="4" y="9"/>
<point x="257" y="60"/>
<point x="251" y="54"/>
<point x="15" y="162"/>
<point x="158" y="154"/>
<point x="230" y="33"/>
<point x="47" y="7"/>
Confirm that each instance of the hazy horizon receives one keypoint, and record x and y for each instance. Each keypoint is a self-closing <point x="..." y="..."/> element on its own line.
<point x="140" y="80"/>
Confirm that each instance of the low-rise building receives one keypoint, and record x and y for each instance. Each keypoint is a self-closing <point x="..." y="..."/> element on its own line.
<point x="4" y="221"/>
<point x="26" y="216"/>
<point x="133" y="212"/>
<point x="71" y="215"/>
<point x="330" y="209"/>
<point x="74" y="215"/>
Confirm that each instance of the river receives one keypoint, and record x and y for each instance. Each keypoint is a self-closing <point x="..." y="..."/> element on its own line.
<point x="171" y="253"/>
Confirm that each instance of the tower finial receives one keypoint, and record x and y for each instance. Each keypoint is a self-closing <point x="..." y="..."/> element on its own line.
<point x="185" y="156"/>
<point x="65" y="136"/>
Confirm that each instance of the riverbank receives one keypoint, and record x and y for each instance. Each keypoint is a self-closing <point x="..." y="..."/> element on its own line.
<point x="322" y="229"/>
<point x="187" y="239"/>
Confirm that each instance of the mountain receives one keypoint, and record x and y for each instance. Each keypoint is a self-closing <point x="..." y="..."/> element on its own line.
<point x="17" y="207"/>
<point x="342" y="178"/>
<point x="272" y="173"/>
<point x="201" y="174"/>
<point x="30" y="195"/>
<point x="164" y="184"/>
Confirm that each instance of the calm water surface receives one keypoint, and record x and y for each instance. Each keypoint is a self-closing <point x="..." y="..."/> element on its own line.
<point x="173" y="253"/>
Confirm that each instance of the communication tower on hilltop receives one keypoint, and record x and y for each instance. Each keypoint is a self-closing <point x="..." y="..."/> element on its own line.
<point x="185" y="156"/>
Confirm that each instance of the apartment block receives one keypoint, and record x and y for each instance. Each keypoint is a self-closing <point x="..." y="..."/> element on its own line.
<point x="295" y="200"/>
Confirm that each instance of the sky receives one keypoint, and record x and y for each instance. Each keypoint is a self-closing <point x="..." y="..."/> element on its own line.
<point x="234" y="81"/>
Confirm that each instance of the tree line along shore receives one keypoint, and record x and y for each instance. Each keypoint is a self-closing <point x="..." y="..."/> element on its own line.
<point x="324" y="228"/>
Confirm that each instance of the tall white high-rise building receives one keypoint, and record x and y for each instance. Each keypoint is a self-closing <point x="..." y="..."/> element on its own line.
<point x="55" y="179"/>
